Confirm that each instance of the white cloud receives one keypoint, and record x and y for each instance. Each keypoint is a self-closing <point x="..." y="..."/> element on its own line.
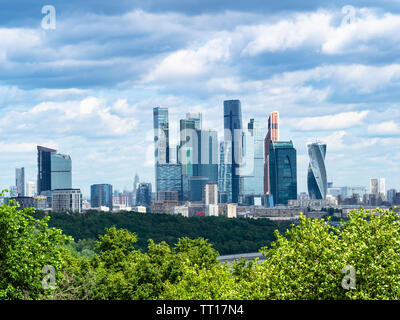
<point x="384" y="128"/>
<point x="329" y="122"/>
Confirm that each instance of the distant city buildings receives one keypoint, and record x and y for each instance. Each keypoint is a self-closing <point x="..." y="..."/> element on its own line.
<point x="143" y="194"/>
<point x="54" y="170"/>
<point x="233" y="148"/>
<point x="317" y="182"/>
<point x="282" y="172"/>
<point x="101" y="195"/>
<point x="20" y="181"/>
<point x="69" y="200"/>
<point x="30" y="189"/>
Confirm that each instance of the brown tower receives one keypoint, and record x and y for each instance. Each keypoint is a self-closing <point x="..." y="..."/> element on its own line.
<point x="272" y="135"/>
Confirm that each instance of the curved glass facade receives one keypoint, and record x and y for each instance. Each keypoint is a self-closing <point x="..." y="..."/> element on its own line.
<point x="316" y="178"/>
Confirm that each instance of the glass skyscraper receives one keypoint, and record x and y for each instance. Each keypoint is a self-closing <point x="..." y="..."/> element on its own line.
<point x="316" y="178"/>
<point x="161" y="134"/>
<point x="233" y="148"/>
<point x="20" y="181"/>
<point x="169" y="178"/>
<point x="252" y="171"/>
<point x="143" y="194"/>
<point x="101" y="195"/>
<point x="54" y="170"/>
<point x="283" y="171"/>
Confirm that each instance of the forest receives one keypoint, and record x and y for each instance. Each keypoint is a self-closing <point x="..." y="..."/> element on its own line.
<point x="228" y="236"/>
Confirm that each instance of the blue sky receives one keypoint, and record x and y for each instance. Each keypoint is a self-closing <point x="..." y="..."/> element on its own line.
<point x="88" y="87"/>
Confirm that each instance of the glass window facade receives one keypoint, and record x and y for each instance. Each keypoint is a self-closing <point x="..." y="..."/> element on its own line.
<point x="101" y="195"/>
<point x="169" y="178"/>
<point x="233" y="147"/>
<point x="316" y="177"/>
<point x="61" y="171"/>
<point x="283" y="172"/>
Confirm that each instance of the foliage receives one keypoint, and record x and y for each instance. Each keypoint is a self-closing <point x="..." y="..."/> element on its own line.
<point x="305" y="262"/>
<point x="26" y="246"/>
<point x="228" y="236"/>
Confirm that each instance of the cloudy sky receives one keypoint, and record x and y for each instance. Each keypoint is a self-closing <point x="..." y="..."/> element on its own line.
<point x="87" y="87"/>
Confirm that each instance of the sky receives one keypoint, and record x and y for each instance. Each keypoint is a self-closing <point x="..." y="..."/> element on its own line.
<point x="87" y="87"/>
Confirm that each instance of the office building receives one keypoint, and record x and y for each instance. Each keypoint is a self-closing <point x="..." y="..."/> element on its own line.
<point x="391" y="195"/>
<point x="252" y="170"/>
<point x="67" y="200"/>
<point x="233" y="148"/>
<point x="40" y="202"/>
<point x="374" y="186"/>
<point x="20" y="181"/>
<point x="316" y="178"/>
<point x="54" y="170"/>
<point x="30" y="189"/>
<point x="143" y="194"/>
<point x="210" y="194"/>
<point x="12" y="191"/>
<point x="101" y="195"/>
<point x="382" y="187"/>
<point x="282" y="172"/>
<point x="161" y="134"/>
<point x="272" y="136"/>
<point x="169" y="178"/>
<point x="23" y="202"/>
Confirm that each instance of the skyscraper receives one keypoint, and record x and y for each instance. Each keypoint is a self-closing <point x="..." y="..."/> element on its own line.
<point x="54" y="170"/>
<point x="283" y="171"/>
<point x="161" y="134"/>
<point x="143" y="194"/>
<point x="67" y="200"/>
<point x="316" y="178"/>
<point x="233" y="147"/>
<point x="272" y="136"/>
<point x="101" y="195"/>
<point x="161" y="142"/>
<point x="252" y="171"/>
<point x="374" y="186"/>
<point x="30" y="189"/>
<point x="382" y="186"/>
<point x="20" y="181"/>
<point x="169" y="178"/>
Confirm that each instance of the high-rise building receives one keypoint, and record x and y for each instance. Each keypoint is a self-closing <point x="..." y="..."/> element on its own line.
<point x="272" y="136"/>
<point x="233" y="148"/>
<point x="316" y="178"/>
<point x="374" y="186"/>
<point x="210" y="193"/>
<point x="67" y="200"/>
<point x="161" y="141"/>
<point x="30" y="189"/>
<point x="283" y="172"/>
<point x="135" y="186"/>
<point x="20" y="181"/>
<point x="252" y="171"/>
<point x="13" y="191"/>
<point x="391" y="195"/>
<point x="169" y="178"/>
<point x="382" y="186"/>
<point x="143" y="194"/>
<point x="101" y="195"/>
<point x="196" y="117"/>
<point x="161" y="134"/>
<point x="54" y="170"/>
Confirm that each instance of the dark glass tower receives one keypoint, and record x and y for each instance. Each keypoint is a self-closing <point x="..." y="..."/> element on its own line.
<point x="44" y="169"/>
<point x="101" y="195"/>
<point x="233" y="147"/>
<point x="143" y="194"/>
<point x="316" y="178"/>
<point x="283" y="171"/>
<point x="54" y="170"/>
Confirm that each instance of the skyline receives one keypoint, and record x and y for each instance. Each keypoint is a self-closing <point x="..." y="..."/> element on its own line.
<point x="88" y="88"/>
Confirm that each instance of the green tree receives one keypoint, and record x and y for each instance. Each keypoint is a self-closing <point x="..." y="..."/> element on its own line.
<point x="26" y="246"/>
